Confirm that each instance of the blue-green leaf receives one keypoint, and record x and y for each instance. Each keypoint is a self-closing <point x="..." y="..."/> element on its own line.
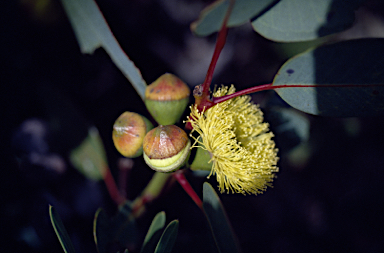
<point x="93" y="32"/>
<point x="211" y="18"/>
<point x="218" y="221"/>
<point x="345" y="79"/>
<point x="60" y="231"/>
<point x="154" y="233"/>
<point x="168" y="238"/>
<point x="300" y="20"/>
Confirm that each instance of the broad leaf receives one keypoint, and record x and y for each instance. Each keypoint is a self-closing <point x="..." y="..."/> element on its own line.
<point x="211" y="18"/>
<point x="218" y="221"/>
<point x="89" y="157"/>
<point x="93" y="32"/>
<point x="60" y="231"/>
<point x="290" y="126"/>
<point x="168" y="238"/>
<point x="300" y="20"/>
<point x="345" y="79"/>
<point x="154" y="233"/>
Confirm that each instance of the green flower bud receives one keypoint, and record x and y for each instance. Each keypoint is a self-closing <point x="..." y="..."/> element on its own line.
<point x="202" y="160"/>
<point x="166" y="148"/>
<point x="128" y="133"/>
<point x="166" y="99"/>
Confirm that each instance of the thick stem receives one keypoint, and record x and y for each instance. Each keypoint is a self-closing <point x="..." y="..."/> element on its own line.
<point x="180" y="177"/>
<point x="151" y="192"/>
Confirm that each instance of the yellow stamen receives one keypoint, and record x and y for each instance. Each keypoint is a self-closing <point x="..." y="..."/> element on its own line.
<point x="243" y="153"/>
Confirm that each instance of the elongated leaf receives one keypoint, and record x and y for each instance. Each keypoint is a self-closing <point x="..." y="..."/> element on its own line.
<point x="101" y="230"/>
<point x="154" y="233"/>
<point x="346" y="79"/>
<point x="168" y="238"/>
<point x="60" y="231"/>
<point x="211" y="18"/>
<point x="300" y="20"/>
<point x="93" y="32"/>
<point x="218" y="221"/>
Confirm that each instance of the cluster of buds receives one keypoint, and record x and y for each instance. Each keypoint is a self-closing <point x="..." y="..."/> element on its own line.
<point x="233" y="142"/>
<point x="166" y="147"/>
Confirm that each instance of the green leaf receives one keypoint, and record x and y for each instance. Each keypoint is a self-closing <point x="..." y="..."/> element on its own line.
<point x="168" y="238"/>
<point x="218" y="221"/>
<point x="345" y="79"/>
<point x="101" y="230"/>
<point x="89" y="157"/>
<point x="92" y="32"/>
<point x="211" y="18"/>
<point x="154" y="233"/>
<point x="301" y="20"/>
<point x="60" y="231"/>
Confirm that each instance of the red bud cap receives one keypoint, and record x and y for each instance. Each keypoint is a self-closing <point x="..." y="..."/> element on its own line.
<point x="166" y="148"/>
<point x="166" y="99"/>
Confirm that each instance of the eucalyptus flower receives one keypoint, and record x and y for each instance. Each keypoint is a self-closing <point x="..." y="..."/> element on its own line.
<point x="243" y="154"/>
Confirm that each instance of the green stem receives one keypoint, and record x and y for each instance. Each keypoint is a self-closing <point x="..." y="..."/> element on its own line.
<point x="151" y="191"/>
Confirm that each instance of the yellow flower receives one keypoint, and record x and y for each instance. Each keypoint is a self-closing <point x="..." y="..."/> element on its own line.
<point x="242" y="151"/>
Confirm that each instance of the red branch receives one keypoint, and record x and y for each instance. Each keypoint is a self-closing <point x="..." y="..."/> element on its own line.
<point x="112" y="187"/>
<point x="180" y="177"/>
<point x="269" y="86"/>
<point x="201" y="92"/>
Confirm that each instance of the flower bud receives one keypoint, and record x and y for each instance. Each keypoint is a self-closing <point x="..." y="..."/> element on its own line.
<point x="128" y="133"/>
<point x="202" y="160"/>
<point x="166" y="99"/>
<point x="166" y="148"/>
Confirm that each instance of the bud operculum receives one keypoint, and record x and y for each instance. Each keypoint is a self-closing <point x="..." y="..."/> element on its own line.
<point x="166" y="148"/>
<point x="166" y="99"/>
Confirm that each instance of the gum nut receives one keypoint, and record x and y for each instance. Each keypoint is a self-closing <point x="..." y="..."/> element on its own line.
<point x="166" y="148"/>
<point x="166" y="99"/>
<point x="128" y="133"/>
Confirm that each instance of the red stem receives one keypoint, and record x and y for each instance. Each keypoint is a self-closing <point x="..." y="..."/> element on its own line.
<point x="202" y="99"/>
<point x="269" y="86"/>
<point x="180" y="177"/>
<point x="257" y="88"/>
<point x="112" y="187"/>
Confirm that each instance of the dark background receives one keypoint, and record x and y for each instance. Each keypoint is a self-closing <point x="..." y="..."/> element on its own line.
<point x="328" y="196"/>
